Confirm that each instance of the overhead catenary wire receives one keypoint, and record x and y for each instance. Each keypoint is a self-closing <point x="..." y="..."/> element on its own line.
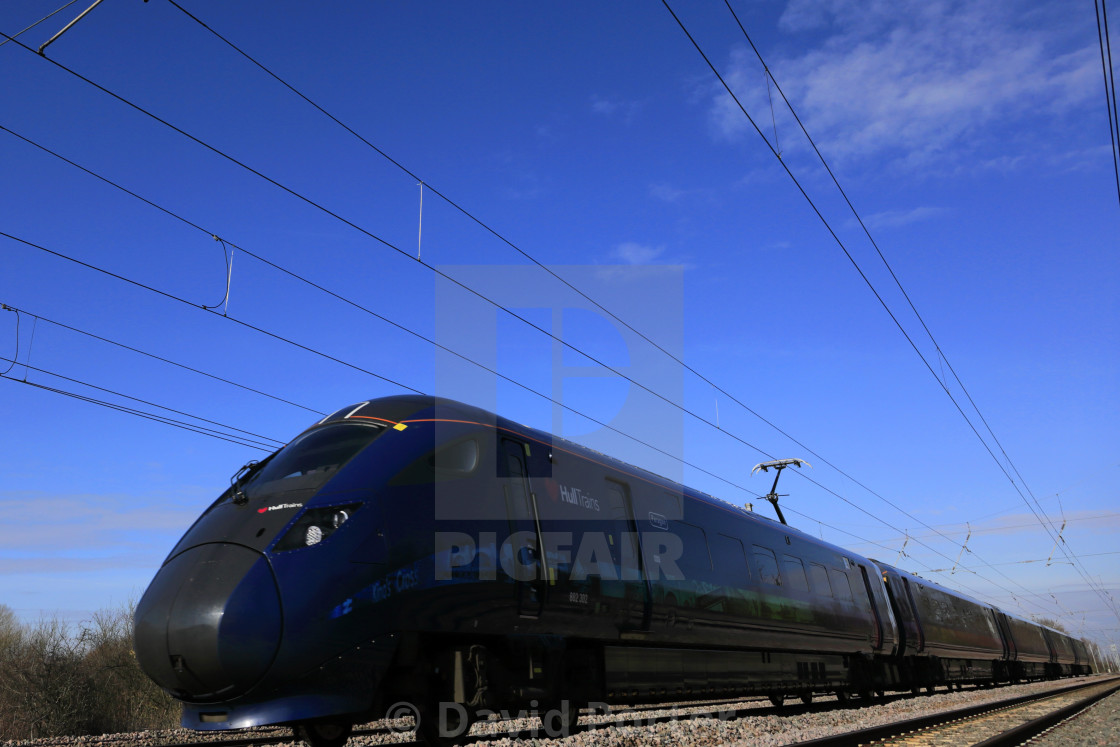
<point x="15" y="356"/>
<point x="384" y="242"/>
<point x="184" y="425"/>
<point x="1109" y="72"/>
<point x="240" y="322"/>
<point x="508" y="242"/>
<point x="1005" y="528"/>
<point x="1068" y="553"/>
<point x="165" y="360"/>
<point x="44" y="18"/>
<point x="955" y="581"/>
<point x="357" y="306"/>
<point x="828" y="227"/>
<point x="248" y="436"/>
<point x="359" y="368"/>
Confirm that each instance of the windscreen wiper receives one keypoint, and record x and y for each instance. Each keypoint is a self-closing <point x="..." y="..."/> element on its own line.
<point x="242" y="476"/>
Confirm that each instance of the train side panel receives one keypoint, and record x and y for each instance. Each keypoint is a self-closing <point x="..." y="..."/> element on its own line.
<point x="947" y="637"/>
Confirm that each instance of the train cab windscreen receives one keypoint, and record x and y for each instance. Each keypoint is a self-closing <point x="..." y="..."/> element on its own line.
<point x="312" y="459"/>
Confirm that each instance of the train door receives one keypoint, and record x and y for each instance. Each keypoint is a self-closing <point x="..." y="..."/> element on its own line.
<point x="525" y="561"/>
<point x="877" y="630"/>
<point x="633" y="581"/>
<point x="917" y="617"/>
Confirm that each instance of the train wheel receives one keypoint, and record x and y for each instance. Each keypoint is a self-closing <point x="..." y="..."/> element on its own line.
<point x="777" y="699"/>
<point x="324" y="733"/>
<point x="807" y="698"/>
<point x="842" y="696"/>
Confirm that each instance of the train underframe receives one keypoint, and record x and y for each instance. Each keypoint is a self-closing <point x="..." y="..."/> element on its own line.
<point x="451" y="682"/>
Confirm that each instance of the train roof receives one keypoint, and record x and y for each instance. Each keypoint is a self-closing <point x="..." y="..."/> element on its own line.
<point x="926" y="582"/>
<point x="404" y="408"/>
<point x="401" y="409"/>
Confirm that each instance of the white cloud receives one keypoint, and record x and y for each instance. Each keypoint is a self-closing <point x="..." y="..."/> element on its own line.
<point x="665" y="192"/>
<point x="914" y="80"/>
<point x="43" y="525"/>
<point x="633" y="253"/>
<point x="614" y="107"/>
<point x="899" y="218"/>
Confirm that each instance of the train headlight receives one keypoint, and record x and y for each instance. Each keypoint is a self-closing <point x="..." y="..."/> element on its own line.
<point x="314" y="526"/>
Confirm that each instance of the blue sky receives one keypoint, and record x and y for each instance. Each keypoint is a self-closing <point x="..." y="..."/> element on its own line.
<point x="972" y="139"/>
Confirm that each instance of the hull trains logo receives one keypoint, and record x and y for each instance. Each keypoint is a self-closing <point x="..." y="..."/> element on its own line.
<point x="577" y="497"/>
<point x="266" y="509"/>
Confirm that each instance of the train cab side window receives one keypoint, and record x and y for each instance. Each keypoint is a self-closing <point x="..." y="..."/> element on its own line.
<point x="840" y="585"/>
<point x="793" y="570"/>
<point x="451" y="461"/>
<point x="767" y="566"/>
<point x="458" y="458"/>
<point x="818" y="580"/>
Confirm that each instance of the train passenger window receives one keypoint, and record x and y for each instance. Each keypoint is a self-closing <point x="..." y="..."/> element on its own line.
<point x="656" y="507"/>
<point x="767" y="566"/>
<point x="695" y="561"/>
<point x="840" y="585"/>
<point x="818" y="580"/>
<point x="793" y="570"/>
<point x="730" y="560"/>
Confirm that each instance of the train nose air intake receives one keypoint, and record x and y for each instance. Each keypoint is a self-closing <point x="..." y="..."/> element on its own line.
<point x="209" y="625"/>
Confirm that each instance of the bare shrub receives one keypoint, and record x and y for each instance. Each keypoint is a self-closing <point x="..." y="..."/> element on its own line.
<point x="59" y="680"/>
<point x="126" y="700"/>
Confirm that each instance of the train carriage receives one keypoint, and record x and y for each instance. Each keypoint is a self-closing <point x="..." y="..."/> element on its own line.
<point x="414" y="550"/>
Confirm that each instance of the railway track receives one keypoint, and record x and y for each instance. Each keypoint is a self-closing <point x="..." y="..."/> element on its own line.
<point x="1004" y="723"/>
<point x="749" y="719"/>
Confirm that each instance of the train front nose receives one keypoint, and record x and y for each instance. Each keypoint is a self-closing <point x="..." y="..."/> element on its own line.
<point x="209" y="625"/>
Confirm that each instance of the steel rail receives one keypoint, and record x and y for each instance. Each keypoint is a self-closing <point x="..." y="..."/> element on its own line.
<point x="912" y="727"/>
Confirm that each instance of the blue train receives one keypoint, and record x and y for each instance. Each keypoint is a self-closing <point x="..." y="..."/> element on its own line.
<point x="415" y="550"/>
